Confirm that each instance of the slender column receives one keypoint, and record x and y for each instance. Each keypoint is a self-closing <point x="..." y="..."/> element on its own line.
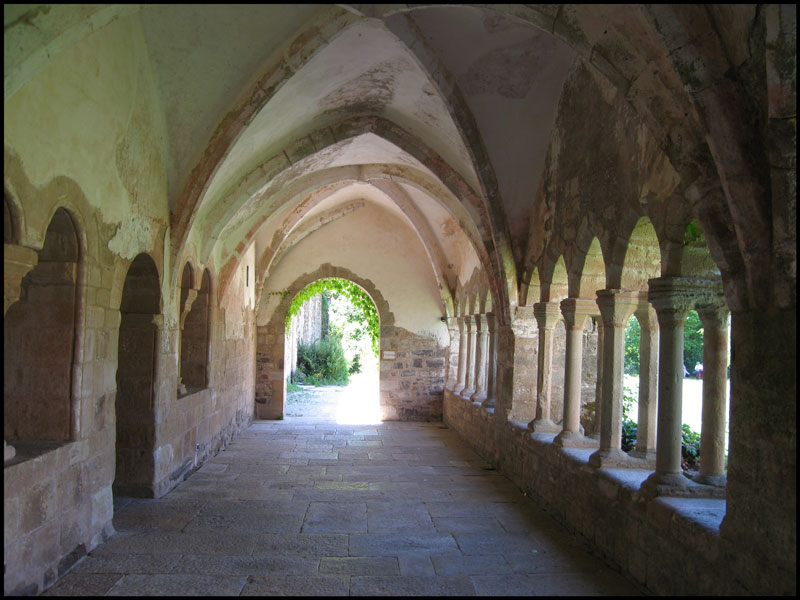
<point x="453" y="328"/>
<point x="616" y="307"/>
<point x="491" y="383"/>
<point x="648" y="382"/>
<point x="576" y="312"/>
<point x="481" y="360"/>
<point x="672" y="302"/>
<point x="469" y="385"/>
<point x="715" y="379"/>
<point x="598" y="388"/>
<point x="462" y="356"/>
<point x="547" y="315"/>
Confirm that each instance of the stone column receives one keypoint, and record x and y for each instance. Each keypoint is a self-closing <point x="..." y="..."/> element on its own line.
<point x="453" y="328"/>
<point x="715" y="379"/>
<point x="481" y="360"/>
<point x="519" y="370"/>
<point x="547" y="314"/>
<point x="491" y="375"/>
<point x="462" y="356"/>
<point x="469" y="383"/>
<point x="616" y="307"/>
<point x="598" y="388"/>
<point x="191" y="296"/>
<point x="648" y="382"/>
<point x="576" y="312"/>
<point x="672" y="301"/>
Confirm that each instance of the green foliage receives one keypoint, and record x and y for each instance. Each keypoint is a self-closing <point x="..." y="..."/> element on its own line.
<point x="690" y="447"/>
<point x="363" y="310"/>
<point x="323" y="362"/>
<point x="629" y="427"/>
<point x="355" y="366"/>
<point x="633" y="337"/>
<point x="291" y="387"/>
<point x="692" y="341"/>
<point x="693" y="234"/>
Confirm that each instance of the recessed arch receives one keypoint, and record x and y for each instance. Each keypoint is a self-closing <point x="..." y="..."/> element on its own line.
<point x="39" y="332"/>
<point x="642" y="257"/>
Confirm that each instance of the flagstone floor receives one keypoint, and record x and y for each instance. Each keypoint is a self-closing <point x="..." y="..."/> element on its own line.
<point x="311" y="507"/>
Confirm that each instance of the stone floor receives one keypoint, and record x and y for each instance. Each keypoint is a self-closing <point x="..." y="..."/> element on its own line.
<point x="309" y="507"/>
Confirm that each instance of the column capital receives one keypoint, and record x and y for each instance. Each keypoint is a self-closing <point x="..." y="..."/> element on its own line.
<point x="616" y="306"/>
<point x="713" y="315"/>
<point x="576" y="310"/>
<point x="684" y="293"/>
<point x="547" y="314"/>
<point x="491" y="321"/>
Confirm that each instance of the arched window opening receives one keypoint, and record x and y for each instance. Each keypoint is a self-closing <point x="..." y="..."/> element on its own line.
<point x="332" y="341"/>
<point x="135" y="414"/>
<point x="39" y="334"/>
<point x="194" y="332"/>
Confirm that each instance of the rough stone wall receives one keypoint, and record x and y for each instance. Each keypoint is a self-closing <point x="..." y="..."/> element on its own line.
<point x="269" y="392"/>
<point x="412" y="385"/>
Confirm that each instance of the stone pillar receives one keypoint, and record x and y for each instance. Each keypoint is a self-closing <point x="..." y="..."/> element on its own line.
<point x="616" y="307"/>
<point x="648" y="382"/>
<point x="491" y="375"/>
<point x="547" y="314"/>
<point x="672" y="299"/>
<point x="519" y="370"/>
<point x="462" y="356"/>
<point x="598" y="388"/>
<point x="715" y="379"/>
<point x="481" y="359"/>
<point x="576" y="312"/>
<point x="469" y="383"/>
<point x="451" y="373"/>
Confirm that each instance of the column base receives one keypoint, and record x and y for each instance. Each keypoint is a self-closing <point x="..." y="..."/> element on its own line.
<point x="489" y="404"/>
<point x="677" y="485"/>
<point x="712" y="480"/>
<point x="9" y="451"/>
<point x="457" y="389"/>
<point x="615" y="458"/>
<point x="466" y="394"/>
<point x="478" y="398"/>
<point x="574" y="439"/>
<point x="543" y="426"/>
<point x="647" y="458"/>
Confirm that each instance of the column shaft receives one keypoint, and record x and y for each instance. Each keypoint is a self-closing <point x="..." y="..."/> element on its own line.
<point x="462" y="356"/>
<point x="648" y="382"/>
<point x="469" y="383"/>
<point x="715" y="379"/>
<point x="481" y="359"/>
<point x="491" y="383"/>
<point x="547" y="315"/>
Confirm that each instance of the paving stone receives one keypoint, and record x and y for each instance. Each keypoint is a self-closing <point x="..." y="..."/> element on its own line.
<point x="304" y="544"/>
<point x="178" y="585"/>
<point x="127" y="563"/>
<point x="83" y="584"/>
<point x="335" y="517"/>
<point x="471" y="565"/>
<point x="246" y="565"/>
<point x="178" y="543"/>
<point x="357" y="565"/>
<point x="396" y="544"/>
<point x="246" y="522"/>
<point x="554" y="584"/>
<point x="467" y="525"/>
<point x="411" y="586"/>
<point x="413" y="565"/>
<point x="496" y="543"/>
<point x="297" y="585"/>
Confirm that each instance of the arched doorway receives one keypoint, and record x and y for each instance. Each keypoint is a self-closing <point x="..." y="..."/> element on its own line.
<point x="332" y="345"/>
<point x="135" y="414"/>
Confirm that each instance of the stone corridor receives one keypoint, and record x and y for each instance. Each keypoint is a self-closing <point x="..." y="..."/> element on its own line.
<point x="309" y="507"/>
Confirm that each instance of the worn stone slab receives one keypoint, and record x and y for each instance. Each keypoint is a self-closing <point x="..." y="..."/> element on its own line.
<point x="377" y="544"/>
<point x="490" y="564"/>
<point x="414" y="565"/>
<point x="411" y="586"/>
<point x="246" y="522"/>
<point x="468" y="525"/>
<point x="554" y="584"/>
<point x="494" y="543"/>
<point x="358" y="565"/>
<point x="303" y="544"/>
<point x="84" y="584"/>
<point x="335" y="517"/>
<point x="397" y="517"/>
<point x="576" y="561"/>
<point x="246" y="565"/>
<point x="127" y="563"/>
<point x="297" y="585"/>
<point x="178" y="543"/>
<point x="178" y="585"/>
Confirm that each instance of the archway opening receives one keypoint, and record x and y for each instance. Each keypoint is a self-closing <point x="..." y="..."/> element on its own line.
<point x="136" y="358"/>
<point x="331" y="366"/>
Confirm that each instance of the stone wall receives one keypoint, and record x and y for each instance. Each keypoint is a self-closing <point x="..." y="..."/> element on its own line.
<point x="411" y="385"/>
